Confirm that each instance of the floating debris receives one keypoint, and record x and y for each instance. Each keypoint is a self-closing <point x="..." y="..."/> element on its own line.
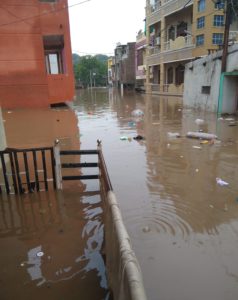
<point x="199" y="121"/>
<point x="221" y="182"/>
<point x="123" y="138"/>
<point x="131" y="124"/>
<point x="197" y="147"/>
<point x="138" y="137"/>
<point x="39" y="254"/>
<point x="137" y="113"/>
<point x="204" y="142"/>
<point x="173" y="134"/>
<point x="146" y="229"/>
<point x="201" y="135"/>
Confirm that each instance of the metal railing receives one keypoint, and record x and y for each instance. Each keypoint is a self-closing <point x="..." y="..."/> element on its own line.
<point x="26" y="170"/>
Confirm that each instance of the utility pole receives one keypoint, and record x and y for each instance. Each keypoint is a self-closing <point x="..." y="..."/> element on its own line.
<point x="226" y="35"/>
<point x="91" y="79"/>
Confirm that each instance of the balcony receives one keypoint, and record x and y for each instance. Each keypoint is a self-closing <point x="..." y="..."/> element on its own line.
<point x="179" y="49"/>
<point x="154" y="50"/>
<point x="167" y="7"/>
<point x="178" y="43"/>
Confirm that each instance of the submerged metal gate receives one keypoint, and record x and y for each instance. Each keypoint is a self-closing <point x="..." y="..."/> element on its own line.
<point x="38" y="169"/>
<point x="27" y="170"/>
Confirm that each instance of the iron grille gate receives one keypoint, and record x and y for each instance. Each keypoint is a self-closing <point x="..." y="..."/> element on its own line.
<point x="27" y="170"/>
<point x="34" y="169"/>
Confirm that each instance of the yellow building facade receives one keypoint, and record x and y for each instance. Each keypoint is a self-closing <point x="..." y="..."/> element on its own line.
<point x="177" y="32"/>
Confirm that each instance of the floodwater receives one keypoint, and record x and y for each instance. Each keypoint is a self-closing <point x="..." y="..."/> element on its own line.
<point x="51" y="242"/>
<point x="183" y="225"/>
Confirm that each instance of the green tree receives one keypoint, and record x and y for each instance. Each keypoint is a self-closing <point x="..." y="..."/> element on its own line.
<point x="92" y="71"/>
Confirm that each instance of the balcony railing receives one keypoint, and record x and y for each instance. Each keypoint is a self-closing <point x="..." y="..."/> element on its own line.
<point x="179" y="43"/>
<point x="155" y="87"/>
<point x="154" y="50"/>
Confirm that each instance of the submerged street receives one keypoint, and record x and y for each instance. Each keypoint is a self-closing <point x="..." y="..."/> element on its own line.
<point x="183" y="223"/>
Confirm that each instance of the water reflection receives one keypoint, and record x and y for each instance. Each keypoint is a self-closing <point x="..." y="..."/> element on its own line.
<point x="182" y="224"/>
<point x="59" y="240"/>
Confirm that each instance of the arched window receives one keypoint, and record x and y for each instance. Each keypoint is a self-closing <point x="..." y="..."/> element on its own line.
<point x="170" y="75"/>
<point x="179" y="75"/>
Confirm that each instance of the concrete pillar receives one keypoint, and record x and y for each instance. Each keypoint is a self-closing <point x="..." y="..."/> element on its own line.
<point x="3" y="143"/>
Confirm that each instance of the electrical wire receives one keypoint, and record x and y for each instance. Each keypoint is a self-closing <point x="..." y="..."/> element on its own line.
<point x="43" y="14"/>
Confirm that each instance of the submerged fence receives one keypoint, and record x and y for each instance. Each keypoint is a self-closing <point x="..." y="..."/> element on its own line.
<point x="27" y="170"/>
<point x="30" y="170"/>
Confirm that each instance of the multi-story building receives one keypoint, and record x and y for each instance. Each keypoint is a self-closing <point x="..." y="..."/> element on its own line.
<point x="35" y="53"/>
<point x="140" y="62"/>
<point x="124" y="65"/>
<point x="178" y="31"/>
<point x="109" y="70"/>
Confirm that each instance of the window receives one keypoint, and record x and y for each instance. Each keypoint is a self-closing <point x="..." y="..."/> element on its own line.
<point x="179" y="75"/>
<point x="206" y="89"/>
<point x="218" y="21"/>
<point x="220" y="4"/>
<point x="199" y="39"/>
<point x="170" y="75"/>
<point x="217" y="38"/>
<point x="53" y="47"/>
<point x="200" y="22"/>
<point x="201" y="5"/>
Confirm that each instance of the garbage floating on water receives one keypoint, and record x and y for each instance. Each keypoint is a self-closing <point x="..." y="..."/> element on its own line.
<point x="123" y="138"/>
<point x="204" y="142"/>
<point x="137" y="113"/>
<point x="199" y="121"/>
<point x="138" y="137"/>
<point x="146" y="229"/>
<point x="173" y="134"/>
<point x="201" y="135"/>
<point x="197" y="147"/>
<point x="221" y="182"/>
<point x="230" y="119"/>
<point x="131" y="124"/>
<point x="40" y="254"/>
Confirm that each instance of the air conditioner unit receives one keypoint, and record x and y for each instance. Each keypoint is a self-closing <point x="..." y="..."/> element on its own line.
<point x="157" y="41"/>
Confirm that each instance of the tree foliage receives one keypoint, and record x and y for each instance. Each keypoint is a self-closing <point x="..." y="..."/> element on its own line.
<point x="91" y="70"/>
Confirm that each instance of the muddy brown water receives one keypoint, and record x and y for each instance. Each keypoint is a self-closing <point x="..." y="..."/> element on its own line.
<point x="183" y="225"/>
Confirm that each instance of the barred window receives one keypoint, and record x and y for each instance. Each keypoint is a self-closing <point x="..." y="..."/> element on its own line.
<point x="199" y="39"/>
<point x="200" y="22"/>
<point x="217" y="38"/>
<point x="218" y="21"/>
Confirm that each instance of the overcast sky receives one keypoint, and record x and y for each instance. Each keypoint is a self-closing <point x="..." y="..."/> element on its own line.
<point x="98" y="25"/>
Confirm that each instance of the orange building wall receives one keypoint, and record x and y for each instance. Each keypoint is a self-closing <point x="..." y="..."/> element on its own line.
<point x="23" y="77"/>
